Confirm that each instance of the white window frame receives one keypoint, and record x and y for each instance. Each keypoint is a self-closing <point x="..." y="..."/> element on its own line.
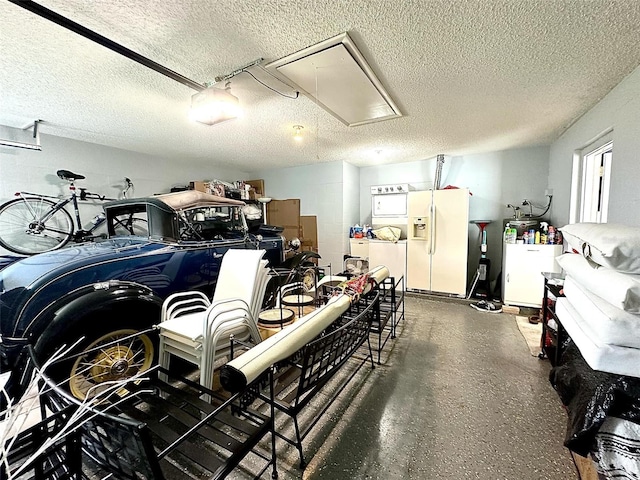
<point x="591" y="181"/>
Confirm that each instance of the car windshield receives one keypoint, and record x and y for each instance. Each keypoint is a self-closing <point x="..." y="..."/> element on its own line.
<point x="212" y="223"/>
<point x="129" y="220"/>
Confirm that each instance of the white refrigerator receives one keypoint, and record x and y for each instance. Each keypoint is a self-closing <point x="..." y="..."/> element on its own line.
<point x="437" y="241"/>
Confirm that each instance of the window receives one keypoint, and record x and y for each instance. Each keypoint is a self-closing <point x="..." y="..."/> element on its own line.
<point x="591" y="180"/>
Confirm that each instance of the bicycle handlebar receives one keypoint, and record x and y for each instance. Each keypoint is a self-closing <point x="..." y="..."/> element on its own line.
<point x="84" y="194"/>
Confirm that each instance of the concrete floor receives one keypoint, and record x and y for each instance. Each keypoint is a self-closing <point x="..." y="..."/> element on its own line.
<point x="458" y="396"/>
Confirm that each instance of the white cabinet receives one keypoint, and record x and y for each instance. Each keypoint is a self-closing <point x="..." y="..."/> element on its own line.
<point x="522" y="265"/>
<point x="359" y="247"/>
<point x="391" y="255"/>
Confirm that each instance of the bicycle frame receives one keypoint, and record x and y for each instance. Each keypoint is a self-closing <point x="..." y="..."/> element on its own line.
<point x="63" y="202"/>
<point x="58" y="206"/>
<point x="39" y="223"/>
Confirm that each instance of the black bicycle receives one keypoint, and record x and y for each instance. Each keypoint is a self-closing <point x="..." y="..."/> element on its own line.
<point x="34" y="224"/>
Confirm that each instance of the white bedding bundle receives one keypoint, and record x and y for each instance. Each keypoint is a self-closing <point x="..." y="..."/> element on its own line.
<point x="601" y="311"/>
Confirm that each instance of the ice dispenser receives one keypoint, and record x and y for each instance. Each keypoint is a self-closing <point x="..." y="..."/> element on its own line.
<point x="419" y="228"/>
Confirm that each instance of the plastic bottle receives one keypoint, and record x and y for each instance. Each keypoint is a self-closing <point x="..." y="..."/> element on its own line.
<point x="506" y="236"/>
<point x="552" y="235"/>
<point x="532" y="236"/>
<point x="525" y="237"/>
<point x="514" y="235"/>
<point x="537" y="240"/>
<point x="544" y="235"/>
<point x="98" y="218"/>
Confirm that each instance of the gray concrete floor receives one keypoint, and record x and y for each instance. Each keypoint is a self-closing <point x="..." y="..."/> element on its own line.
<point x="458" y="396"/>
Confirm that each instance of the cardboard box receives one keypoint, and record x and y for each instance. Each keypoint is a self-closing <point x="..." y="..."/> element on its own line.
<point x="309" y="231"/>
<point x="199" y="186"/>
<point x="258" y="187"/>
<point x="285" y="214"/>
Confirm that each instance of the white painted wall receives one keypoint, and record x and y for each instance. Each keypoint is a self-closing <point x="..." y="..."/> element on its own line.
<point x="320" y="190"/>
<point x="336" y="192"/>
<point x="620" y="111"/>
<point x="103" y="167"/>
<point x="494" y="179"/>
<point x="351" y="207"/>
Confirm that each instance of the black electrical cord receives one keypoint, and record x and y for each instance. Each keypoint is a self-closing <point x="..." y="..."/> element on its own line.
<point x="270" y="88"/>
<point x="531" y="204"/>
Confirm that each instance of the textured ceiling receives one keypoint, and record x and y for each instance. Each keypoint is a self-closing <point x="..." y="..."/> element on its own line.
<point x="469" y="76"/>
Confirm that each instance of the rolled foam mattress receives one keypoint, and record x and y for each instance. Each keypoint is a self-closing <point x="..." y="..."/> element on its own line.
<point x="602" y="357"/>
<point x="241" y="371"/>
<point x="610" y="324"/>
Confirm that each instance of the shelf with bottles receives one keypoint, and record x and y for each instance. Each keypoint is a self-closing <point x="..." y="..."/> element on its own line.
<point x="544" y="235"/>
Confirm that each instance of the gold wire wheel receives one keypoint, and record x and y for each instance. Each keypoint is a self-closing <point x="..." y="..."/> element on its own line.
<point x="122" y="357"/>
<point x="309" y="279"/>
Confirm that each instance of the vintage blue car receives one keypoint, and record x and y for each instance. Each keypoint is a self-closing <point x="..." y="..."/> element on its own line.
<point x="102" y="291"/>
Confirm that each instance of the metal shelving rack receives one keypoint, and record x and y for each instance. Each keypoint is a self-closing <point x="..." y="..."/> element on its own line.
<point x="552" y="338"/>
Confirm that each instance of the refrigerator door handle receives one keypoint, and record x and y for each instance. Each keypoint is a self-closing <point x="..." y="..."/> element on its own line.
<point x="432" y="227"/>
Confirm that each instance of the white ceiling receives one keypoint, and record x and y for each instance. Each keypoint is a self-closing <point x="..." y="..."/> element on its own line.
<point x="469" y="76"/>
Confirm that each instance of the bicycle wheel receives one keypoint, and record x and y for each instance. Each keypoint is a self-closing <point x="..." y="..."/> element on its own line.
<point x="22" y="231"/>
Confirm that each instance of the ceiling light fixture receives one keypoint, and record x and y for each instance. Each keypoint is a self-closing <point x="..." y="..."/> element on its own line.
<point x="28" y="146"/>
<point x="214" y="105"/>
<point x="297" y="135"/>
<point x="228" y="106"/>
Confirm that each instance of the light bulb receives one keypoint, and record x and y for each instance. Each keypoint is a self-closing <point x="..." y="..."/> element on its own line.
<point x="298" y="132"/>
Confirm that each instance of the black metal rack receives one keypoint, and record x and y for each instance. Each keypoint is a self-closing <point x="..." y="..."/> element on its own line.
<point x="303" y="375"/>
<point x="61" y="460"/>
<point x="150" y="428"/>
<point x="390" y="312"/>
<point x="551" y="337"/>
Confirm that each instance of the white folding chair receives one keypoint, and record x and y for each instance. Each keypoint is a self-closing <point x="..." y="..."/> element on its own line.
<point x="197" y="330"/>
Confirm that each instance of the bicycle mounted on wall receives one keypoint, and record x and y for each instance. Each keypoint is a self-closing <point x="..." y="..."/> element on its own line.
<point x="33" y="224"/>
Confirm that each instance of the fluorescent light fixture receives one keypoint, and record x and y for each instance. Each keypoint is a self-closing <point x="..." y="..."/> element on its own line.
<point x="28" y="146"/>
<point x="214" y="105"/>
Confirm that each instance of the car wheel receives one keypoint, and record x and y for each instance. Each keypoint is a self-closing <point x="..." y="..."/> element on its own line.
<point x="113" y="357"/>
<point x="102" y="359"/>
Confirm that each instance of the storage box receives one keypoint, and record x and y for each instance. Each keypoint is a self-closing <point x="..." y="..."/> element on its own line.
<point x="309" y="233"/>
<point x="199" y="186"/>
<point x="257" y="186"/>
<point x="285" y="214"/>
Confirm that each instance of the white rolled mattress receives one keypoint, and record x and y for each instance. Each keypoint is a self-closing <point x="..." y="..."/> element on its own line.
<point x="599" y="356"/>
<point x="241" y="371"/>
<point x="609" y="324"/>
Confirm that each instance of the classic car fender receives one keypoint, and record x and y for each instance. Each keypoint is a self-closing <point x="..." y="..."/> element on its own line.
<point x="74" y="315"/>
<point x="76" y="309"/>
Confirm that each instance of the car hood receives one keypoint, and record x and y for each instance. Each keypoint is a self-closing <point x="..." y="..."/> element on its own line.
<point x="29" y="270"/>
<point x="21" y="279"/>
